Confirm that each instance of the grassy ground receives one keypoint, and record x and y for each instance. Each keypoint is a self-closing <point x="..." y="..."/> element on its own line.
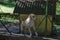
<point x="4" y="9"/>
<point x="9" y="19"/>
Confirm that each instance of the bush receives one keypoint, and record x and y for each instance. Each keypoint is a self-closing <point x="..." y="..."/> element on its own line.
<point x="8" y="3"/>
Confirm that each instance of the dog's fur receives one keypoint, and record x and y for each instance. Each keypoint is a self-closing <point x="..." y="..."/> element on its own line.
<point x="28" y="23"/>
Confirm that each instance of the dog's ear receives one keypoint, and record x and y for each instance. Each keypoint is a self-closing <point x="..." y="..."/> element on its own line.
<point x="33" y="16"/>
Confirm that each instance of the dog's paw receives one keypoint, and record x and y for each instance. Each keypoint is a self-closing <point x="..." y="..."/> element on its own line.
<point x="29" y="36"/>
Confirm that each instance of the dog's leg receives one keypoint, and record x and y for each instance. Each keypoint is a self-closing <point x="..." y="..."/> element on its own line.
<point x="35" y="31"/>
<point x="30" y="31"/>
<point x="21" y="28"/>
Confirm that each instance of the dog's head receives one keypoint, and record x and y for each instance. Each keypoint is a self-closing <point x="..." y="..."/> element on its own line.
<point x="32" y="16"/>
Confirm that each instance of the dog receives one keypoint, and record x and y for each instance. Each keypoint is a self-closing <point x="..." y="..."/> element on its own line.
<point x="29" y="23"/>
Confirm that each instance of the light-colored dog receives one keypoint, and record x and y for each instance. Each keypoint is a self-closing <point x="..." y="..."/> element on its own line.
<point x="29" y="23"/>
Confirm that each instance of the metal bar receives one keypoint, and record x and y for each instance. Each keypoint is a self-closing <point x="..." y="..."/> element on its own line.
<point x="19" y="24"/>
<point x="41" y="21"/>
<point x="49" y="19"/>
<point x="52" y="29"/>
<point x="5" y="27"/>
<point x="46" y="17"/>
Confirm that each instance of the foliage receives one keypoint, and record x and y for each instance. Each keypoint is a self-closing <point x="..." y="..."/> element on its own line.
<point x="58" y="8"/>
<point x="9" y="18"/>
<point x="9" y="3"/>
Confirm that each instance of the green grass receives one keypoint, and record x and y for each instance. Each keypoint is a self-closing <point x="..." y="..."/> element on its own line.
<point x="5" y="9"/>
<point x="57" y="8"/>
<point x="9" y="19"/>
